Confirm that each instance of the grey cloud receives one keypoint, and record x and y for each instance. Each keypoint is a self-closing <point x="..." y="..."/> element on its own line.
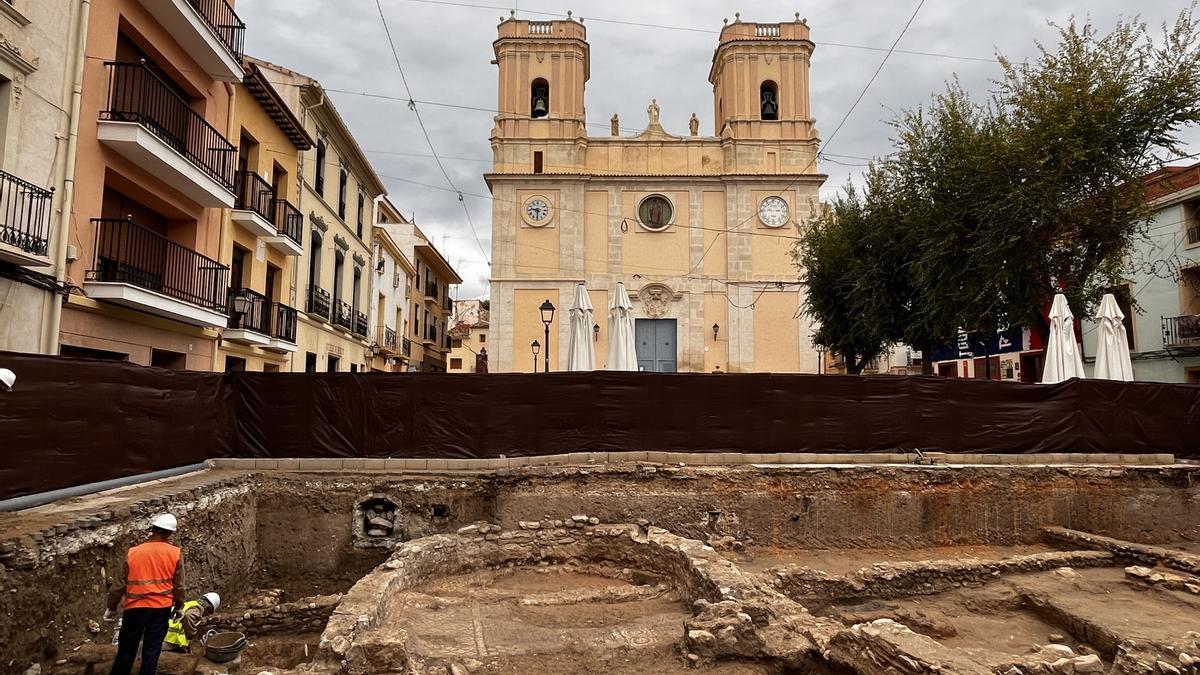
<point x="446" y="51"/>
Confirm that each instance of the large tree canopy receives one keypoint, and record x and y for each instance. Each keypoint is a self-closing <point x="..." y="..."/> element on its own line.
<point x="983" y="210"/>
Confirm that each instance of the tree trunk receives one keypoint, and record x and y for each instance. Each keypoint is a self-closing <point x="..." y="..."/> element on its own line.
<point x="927" y="359"/>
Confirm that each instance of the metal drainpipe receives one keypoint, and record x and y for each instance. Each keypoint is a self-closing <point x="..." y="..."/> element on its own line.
<point x="30" y="501"/>
<point x="225" y="217"/>
<point x="66" y="174"/>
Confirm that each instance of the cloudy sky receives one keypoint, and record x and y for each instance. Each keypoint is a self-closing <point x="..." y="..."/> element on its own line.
<point x="639" y="50"/>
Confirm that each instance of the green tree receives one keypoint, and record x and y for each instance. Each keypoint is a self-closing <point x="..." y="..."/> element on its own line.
<point x="984" y="210"/>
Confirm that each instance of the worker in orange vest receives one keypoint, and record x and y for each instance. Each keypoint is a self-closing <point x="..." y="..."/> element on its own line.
<point x="151" y="587"/>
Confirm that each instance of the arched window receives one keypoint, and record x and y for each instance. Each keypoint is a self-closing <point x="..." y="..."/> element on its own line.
<point x="768" y="100"/>
<point x="319" y="180"/>
<point x="539" y="98"/>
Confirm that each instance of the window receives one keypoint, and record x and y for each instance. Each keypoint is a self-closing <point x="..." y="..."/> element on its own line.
<point x="310" y="362"/>
<point x="343" y="180"/>
<point x="161" y="358"/>
<point x="357" y="287"/>
<point x="319" y="182"/>
<point x="339" y="264"/>
<point x="482" y="338"/>
<point x="314" y="260"/>
<point x="656" y="213"/>
<point x="237" y="267"/>
<point x="234" y="364"/>
<point x="416" y="320"/>
<point x="768" y="100"/>
<point x="1191" y="221"/>
<point x="455" y="364"/>
<point x="539" y="98"/>
<point x="332" y="366"/>
<point x="354" y="367"/>
<point x="361" y="202"/>
<point x="537" y="161"/>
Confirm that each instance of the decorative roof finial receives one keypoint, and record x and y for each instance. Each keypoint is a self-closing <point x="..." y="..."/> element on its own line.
<point x="725" y="21"/>
<point x="568" y="15"/>
<point x="737" y="17"/>
<point x="797" y="16"/>
<point x="512" y="13"/>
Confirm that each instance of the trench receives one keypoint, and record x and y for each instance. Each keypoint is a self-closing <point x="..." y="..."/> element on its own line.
<point x="625" y="569"/>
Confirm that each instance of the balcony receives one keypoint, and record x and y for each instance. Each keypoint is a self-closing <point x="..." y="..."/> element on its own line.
<point x="24" y="222"/>
<point x="149" y="124"/>
<point x="405" y="347"/>
<point x="289" y="228"/>
<point x="431" y="292"/>
<point x="447" y="303"/>
<point x="283" y="329"/>
<point x="361" y="329"/>
<point x="209" y="30"/>
<point x="431" y="337"/>
<point x="318" y="303"/>
<point x="1181" y="331"/>
<point x="249" y="318"/>
<point x="385" y="339"/>
<point x="343" y="318"/>
<point x="137" y="268"/>
<point x="254" y="204"/>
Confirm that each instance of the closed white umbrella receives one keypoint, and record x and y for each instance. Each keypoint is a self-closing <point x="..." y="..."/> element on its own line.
<point x="582" y="353"/>
<point x="622" y="354"/>
<point x="1064" y="359"/>
<point x="1112" y="351"/>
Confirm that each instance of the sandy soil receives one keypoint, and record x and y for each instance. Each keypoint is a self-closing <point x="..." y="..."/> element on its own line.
<point x="481" y="617"/>
<point x="843" y="561"/>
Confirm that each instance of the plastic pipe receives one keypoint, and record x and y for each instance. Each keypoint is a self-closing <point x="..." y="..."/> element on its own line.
<point x="30" y="501"/>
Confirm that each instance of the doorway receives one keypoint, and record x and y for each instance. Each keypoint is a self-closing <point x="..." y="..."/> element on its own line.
<point x="655" y="343"/>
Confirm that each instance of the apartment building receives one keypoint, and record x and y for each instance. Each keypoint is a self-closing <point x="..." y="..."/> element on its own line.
<point x="154" y="171"/>
<point x="1162" y="276"/>
<point x="469" y="337"/>
<point x="41" y="58"/>
<point x="263" y="235"/>
<point x="336" y="197"/>
<point x="392" y="288"/>
<point x="431" y="305"/>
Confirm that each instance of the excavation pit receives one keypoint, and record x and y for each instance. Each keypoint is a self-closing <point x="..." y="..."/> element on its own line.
<point x="624" y="568"/>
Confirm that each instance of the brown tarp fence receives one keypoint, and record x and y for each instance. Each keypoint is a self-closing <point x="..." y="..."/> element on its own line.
<point x="73" y="421"/>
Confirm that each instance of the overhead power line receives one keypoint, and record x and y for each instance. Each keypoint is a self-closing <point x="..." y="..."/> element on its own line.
<point x="413" y="107"/>
<point x="692" y="29"/>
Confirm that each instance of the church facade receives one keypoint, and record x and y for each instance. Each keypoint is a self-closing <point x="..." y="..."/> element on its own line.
<point x="700" y="229"/>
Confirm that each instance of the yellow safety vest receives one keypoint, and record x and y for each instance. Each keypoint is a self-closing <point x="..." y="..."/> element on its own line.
<point x="175" y="635"/>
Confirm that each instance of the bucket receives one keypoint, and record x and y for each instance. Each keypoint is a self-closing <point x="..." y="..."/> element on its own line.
<point x="223" y="647"/>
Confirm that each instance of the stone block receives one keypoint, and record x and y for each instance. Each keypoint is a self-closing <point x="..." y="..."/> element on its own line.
<point x="266" y="464"/>
<point x="441" y="464"/>
<point x="657" y="457"/>
<point x="375" y="464"/>
<point x="289" y="464"/>
<point x="354" y="464"/>
<point x="320" y="464"/>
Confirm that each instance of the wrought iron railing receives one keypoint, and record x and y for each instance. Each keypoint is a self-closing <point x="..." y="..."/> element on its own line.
<point x="283" y="322"/>
<point x="138" y="94"/>
<point x="1181" y="331"/>
<point x="343" y="314"/>
<point x="431" y="334"/>
<point x="255" y="194"/>
<point x="224" y="23"/>
<point x="360" y="324"/>
<point x="249" y="310"/>
<point x="24" y="214"/>
<point x="318" y="303"/>
<point x="431" y="289"/>
<point x="446" y="343"/>
<point x="406" y="346"/>
<point x="447" y="303"/>
<point x="131" y="254"/>
<point x="385" y="337"/>
<point x="289" y="220"/>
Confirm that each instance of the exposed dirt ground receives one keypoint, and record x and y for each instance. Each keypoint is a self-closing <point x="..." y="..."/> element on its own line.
<point x="843" y="561"/>
<point x="547" y="619"/>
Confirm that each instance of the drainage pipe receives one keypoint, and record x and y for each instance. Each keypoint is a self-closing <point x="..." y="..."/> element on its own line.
<point x="30" y="501"/>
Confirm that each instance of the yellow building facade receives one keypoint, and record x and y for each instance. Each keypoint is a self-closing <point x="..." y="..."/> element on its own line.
<point x="336" y="192"/>
<point x="699" y="228"/>
<point x="262" y="236"/>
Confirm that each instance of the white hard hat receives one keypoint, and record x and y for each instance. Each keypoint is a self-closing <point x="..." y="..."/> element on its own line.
<point x="165" y="521"/>
<point x="7" y="378"/>
<point x="213" y="599"/>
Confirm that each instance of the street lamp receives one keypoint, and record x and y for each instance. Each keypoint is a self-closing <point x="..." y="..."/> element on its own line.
<point x="821" y="359"/>
<point x="716" y="329"/>
<point x="595" y="332"/>
<point x="536" y="347"/>
<point x="547" y="310"/>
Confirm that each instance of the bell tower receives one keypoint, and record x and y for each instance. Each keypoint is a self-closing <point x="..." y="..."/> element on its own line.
<point x="543" y="68"/>
<point x="760" y="81"/>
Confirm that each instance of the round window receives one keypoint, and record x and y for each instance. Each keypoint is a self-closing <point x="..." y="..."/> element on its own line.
<point x="656" y="213"/>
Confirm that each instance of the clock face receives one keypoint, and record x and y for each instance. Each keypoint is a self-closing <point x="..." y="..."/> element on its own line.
<point x="773" y="211"/>
<point x="537" y="210"/>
